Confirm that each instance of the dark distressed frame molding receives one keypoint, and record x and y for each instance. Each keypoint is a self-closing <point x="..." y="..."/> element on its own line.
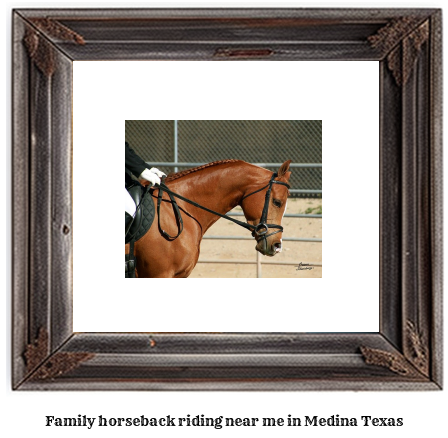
<point x="406" y="354"/>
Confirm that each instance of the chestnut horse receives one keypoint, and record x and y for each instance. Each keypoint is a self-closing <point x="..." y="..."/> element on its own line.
<point x="218" y="186"/>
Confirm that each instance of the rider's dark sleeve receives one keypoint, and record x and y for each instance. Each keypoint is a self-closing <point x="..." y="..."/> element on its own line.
<point x="134" y="163"/>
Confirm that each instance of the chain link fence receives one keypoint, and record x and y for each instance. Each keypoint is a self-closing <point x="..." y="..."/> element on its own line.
<point x="254" y="141"/>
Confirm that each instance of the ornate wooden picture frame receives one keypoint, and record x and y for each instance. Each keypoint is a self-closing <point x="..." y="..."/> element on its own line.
<point x="406" y="353"/>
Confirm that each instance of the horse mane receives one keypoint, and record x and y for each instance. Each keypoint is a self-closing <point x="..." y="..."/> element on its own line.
<point x="173" y="176"/>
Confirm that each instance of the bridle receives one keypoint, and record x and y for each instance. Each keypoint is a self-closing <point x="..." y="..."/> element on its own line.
<point x="259" y="232"/>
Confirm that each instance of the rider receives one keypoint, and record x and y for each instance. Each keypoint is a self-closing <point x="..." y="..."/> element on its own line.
<point x="136" y="166"/>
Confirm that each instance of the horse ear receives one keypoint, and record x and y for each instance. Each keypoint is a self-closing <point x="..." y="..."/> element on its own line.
<point x="283" y="168"/>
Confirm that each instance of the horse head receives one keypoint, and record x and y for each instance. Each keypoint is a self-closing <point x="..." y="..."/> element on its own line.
<point x="265" y="209"/>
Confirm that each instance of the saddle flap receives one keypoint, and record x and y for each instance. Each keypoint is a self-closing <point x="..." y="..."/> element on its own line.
<point x="144" y="215"/>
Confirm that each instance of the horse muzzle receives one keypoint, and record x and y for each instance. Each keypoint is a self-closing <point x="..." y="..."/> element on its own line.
<point x="269" y="247"/>
<point x="266" y="244"/>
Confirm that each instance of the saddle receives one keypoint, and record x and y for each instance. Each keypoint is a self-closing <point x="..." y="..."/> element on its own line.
<point x="143" y="219"/>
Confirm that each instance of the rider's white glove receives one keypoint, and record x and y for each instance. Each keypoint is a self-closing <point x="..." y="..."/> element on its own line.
<point x="152" y="175"/>
<point x="158" y="172"/>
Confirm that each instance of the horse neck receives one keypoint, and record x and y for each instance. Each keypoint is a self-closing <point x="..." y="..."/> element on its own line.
<point x="219" y="188"/>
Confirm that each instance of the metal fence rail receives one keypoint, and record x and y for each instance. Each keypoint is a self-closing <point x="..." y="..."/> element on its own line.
<point x="177" y="164"/>
<point x="299" y="215"/>
<point x="285" y="239"/>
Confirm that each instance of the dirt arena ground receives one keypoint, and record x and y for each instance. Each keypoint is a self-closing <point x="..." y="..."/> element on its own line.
<point x="244" y="250"/>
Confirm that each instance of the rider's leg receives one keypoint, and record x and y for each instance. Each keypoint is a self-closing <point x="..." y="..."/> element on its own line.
<point x="129" y="210"/>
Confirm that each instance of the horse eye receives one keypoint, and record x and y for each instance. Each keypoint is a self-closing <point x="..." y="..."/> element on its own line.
<point x="277" y="202"/>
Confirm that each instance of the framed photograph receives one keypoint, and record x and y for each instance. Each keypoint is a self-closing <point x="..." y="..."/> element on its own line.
<point x="199" y="151"/>
<point x="81" y="78"/>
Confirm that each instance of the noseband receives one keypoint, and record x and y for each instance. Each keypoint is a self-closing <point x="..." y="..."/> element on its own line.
<point x="259" y="232"/>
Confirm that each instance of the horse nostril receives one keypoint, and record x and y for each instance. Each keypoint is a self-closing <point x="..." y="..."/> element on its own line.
<point x="278" y="247"/>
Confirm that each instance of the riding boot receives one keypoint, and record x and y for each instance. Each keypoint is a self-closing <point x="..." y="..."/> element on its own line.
<point x="130" y="262"/>
<point x="129" y="267"/>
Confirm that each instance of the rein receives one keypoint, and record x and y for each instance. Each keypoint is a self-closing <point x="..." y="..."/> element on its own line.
<point x="258" y="231"/>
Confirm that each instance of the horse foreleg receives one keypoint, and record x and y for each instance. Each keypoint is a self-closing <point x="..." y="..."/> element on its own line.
<point x="158" y="257"/>
<point x="173" y="260"/>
